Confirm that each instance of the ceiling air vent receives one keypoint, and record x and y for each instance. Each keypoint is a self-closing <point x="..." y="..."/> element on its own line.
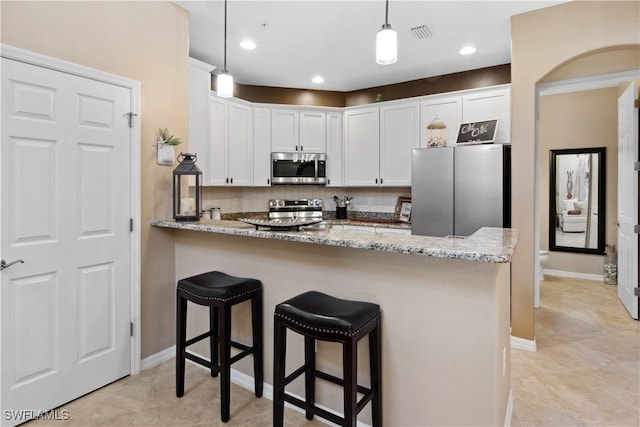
<point x="421" y="32"/>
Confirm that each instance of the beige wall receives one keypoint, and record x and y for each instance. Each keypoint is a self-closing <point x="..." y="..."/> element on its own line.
<point x="542" y="41"/>
<point x="579" y="120"/>
<point x="144" y="41"/>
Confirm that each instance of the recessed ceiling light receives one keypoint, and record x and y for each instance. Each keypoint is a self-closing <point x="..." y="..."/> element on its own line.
<point x="318" y="79"/>
<point x="467" y="50"/>
<point x="248" y="44"/>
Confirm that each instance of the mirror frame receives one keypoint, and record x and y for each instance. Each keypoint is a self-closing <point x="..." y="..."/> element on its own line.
<point x="602" y="197"/>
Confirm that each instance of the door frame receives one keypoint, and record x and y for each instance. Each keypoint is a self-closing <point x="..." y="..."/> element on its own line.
<point x="28" y="57"/>
<point x="579" y="84"/>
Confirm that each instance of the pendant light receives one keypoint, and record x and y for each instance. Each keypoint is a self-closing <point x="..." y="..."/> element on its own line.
<point x="386" y="42"/>
<point x="224" y="83"/>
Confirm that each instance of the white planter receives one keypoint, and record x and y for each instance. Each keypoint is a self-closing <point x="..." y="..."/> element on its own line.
<point x="165" y="154"/>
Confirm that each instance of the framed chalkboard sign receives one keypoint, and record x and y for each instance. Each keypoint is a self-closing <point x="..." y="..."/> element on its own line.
<point x="477" y="132"/>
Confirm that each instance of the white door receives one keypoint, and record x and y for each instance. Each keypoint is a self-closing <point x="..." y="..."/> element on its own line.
<point x="313" y="131"/>
<point x="240" y="144"/>
<point x="285" y="136"/>
<point x="399" y="134"/>
<point x="218" y="156"/>
<point x="362" y="147"/>
<point x="628" y="199"/>
<point x="65" y="198"/>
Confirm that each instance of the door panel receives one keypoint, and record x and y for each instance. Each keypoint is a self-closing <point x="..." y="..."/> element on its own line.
<point x="628" y="199"/>
<point x="65" y="197"/>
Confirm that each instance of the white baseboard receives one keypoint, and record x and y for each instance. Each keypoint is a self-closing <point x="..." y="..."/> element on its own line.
<point x="574" y="275"/>
<point x="522" y="344"/>
<point x="240" y="378"/>
<point x="158" y="358"/>
<point x="509" y="411"/>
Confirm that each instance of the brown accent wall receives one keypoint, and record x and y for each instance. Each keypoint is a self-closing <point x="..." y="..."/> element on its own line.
<point x="541" y="42"/>
<point x="482" y="77"/>
<point x="144" y="41"/>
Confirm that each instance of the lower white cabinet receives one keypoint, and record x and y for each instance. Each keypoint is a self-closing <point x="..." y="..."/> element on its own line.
<point x="231" y="160"/>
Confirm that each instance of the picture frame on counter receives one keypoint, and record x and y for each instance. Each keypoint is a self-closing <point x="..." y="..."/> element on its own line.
<point x="402" y="212"/>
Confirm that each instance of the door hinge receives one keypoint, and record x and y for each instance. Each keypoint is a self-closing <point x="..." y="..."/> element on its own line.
<point x="130" y="329"/>
<point x="636" y="103"/>
<point x="131" y="116"/>
<point x="636" y="292"/>
<point x="636" y="229"/>
<point x="131" y="225"/>
<point x="636" y="166"/>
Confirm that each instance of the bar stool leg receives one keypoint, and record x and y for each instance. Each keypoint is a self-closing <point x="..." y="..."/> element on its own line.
<point x="375" y="361"/>
<point x="256" y="322"/>
<point x="280" y="348"/>
<point x="225" y="356"/>
<point x="213" y="340"/>
<point x="350" y="372"/>
<point x="181" y="338"/>
<point x="309" y="375"/>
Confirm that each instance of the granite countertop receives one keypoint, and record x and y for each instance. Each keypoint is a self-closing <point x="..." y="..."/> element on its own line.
<point x="492" y="245"/>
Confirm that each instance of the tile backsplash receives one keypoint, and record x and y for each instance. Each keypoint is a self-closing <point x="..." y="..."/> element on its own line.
<point x="254" y="199"/>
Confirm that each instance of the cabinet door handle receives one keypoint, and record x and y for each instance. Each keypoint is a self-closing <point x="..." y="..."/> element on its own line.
<point x="296" y="148"/>
<point x="231" y="180"/>
<point x="268" y="181"/>
<point x="227" y="180"/>
<point x="376" y="180"/>
<point x="301" y="148"/>
<point x="381" y="181"/>
<point x="328" y="181"/>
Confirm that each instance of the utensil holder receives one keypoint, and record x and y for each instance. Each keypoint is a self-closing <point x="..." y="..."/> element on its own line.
<point x="341" y="212"/>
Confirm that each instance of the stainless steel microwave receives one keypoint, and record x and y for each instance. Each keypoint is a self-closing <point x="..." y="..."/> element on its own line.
<point x="298" y="168"/>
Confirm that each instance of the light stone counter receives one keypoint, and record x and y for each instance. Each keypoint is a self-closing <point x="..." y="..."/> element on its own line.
<point x="445" y="311"/>
<point x="493" y="245"/>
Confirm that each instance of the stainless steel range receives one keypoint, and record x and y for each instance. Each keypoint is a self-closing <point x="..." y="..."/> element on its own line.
<point x="291" y="209"/>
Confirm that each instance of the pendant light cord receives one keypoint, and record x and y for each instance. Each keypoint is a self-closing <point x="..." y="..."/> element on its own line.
<point x="386" y="14"/>
<point x="225" y="37"/>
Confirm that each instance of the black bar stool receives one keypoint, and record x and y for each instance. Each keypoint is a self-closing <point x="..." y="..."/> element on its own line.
<point x="219" y="292"/>
<point x="321" y="317"/>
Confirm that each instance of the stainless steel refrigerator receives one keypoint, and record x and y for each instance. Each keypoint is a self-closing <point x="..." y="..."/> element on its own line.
<point x="458" y="190"/>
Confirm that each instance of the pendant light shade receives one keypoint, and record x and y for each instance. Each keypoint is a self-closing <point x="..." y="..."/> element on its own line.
<point x="224" y="82"/>
<point x="224" y="85"/>
<point x="386" y="42"/>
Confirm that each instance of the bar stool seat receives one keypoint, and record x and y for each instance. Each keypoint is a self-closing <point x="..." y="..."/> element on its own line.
<point x="220" y="292"/>
<point x="318" y="316"/>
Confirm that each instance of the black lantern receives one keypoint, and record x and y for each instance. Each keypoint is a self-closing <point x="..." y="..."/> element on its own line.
<point x="186" y="206"/>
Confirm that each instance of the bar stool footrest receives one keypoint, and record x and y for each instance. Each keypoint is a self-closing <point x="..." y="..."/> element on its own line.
<point x="198" y="338"/>
<point x="199" y="360"/>
<point x="338" y="381"/>
<point x="313" y="409"/>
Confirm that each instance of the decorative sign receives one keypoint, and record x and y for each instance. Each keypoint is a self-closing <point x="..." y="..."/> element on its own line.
<point x="477" y="132"/>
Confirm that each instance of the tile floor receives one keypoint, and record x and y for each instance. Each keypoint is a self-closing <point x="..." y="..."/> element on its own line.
<point x="586" y="372"/>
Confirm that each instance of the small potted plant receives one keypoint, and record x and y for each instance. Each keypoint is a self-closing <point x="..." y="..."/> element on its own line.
<point x="165" y="142"/>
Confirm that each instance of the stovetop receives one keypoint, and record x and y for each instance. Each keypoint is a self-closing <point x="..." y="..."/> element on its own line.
<point x="297" y="208"/>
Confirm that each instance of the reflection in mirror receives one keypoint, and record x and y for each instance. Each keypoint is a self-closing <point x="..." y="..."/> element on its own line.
<point x="577" y="200"/>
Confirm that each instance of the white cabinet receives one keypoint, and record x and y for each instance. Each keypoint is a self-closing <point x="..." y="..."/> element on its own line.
<point x="448" y="110"/>
<point x="261" y="147"/>
<point x="313" y="132"/>
<point x="334" y="150"/>
<point x="378" y="144"/>
<point x="399" y="134"/>
<point x="285" y="136"/>
<point x="487" y="105"/>
<point x="361" y="147"/>
<point x="199" y="91"/>
<point x="298" y="131"/>
<point x="231" y="136"/>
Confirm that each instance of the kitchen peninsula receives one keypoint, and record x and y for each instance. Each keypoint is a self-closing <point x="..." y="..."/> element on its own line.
<point x="445" y="304"/>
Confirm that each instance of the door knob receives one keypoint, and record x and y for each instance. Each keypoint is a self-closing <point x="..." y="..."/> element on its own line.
<point x="3" y="263"/>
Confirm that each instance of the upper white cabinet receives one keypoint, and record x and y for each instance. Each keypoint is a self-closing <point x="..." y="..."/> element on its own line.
<point x="231" y="157"/>
<point x="487" y="105"/>
<point x="199" y="90"/>
<point x="361" y="147"/>
<point x="399" y="134"/>
<point x="334" y="150"/>
<point x="285" y="134"/>
<point x="378" y="144"/>
<point x="261" y="147"/>
<point x="298" y="131"/>
<point x="438" y="111"/>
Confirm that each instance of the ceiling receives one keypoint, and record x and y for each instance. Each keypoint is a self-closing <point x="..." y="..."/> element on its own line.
<point x="297" y="40"/>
